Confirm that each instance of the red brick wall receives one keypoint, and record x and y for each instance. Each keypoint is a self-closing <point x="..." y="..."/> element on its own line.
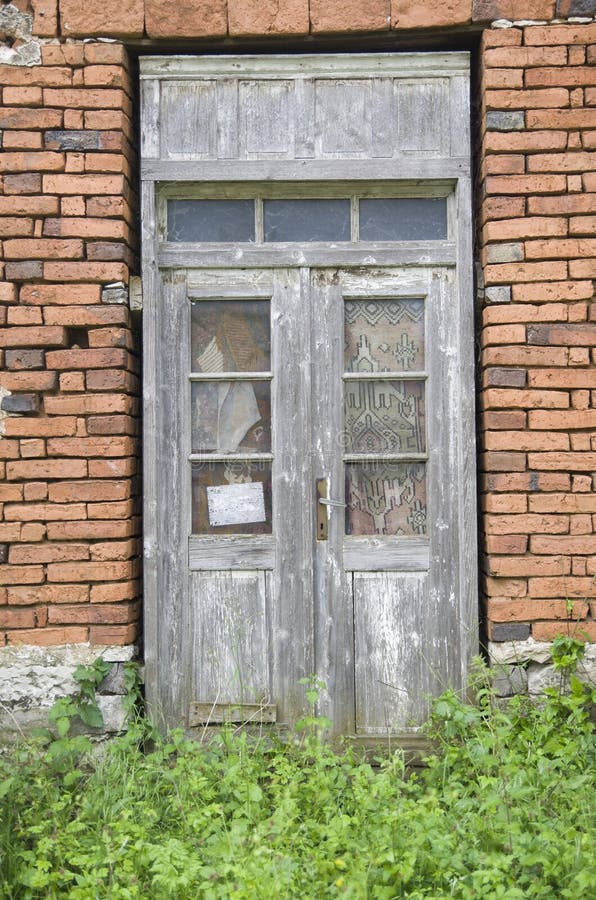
<point x="68" y="436"/>
<point x="69" y="528"/>
<point x="538" y="397"/>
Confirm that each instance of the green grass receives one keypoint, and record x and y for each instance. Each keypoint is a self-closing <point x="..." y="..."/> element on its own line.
<point x="504" y="809"/>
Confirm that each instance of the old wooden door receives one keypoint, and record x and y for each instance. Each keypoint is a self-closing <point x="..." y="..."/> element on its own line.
<point x="308" y="405"/>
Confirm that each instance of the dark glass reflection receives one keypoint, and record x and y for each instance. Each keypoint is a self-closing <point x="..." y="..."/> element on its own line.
<point x="403" y="219"/>
<point x="307" y="220"/>
<point x="211" y="220"/>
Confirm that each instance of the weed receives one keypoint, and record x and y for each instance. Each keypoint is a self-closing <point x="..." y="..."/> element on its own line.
<point x="503" y="810"/>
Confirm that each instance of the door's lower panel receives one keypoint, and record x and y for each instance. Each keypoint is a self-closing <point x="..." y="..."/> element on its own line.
<point x="402" y="651"/>
<point x="230" y="636"/>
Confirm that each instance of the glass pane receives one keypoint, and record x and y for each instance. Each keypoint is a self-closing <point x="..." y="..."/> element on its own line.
<point x="230" y="336"/>
<point x="384" y="417"/>
<point x="230" y="416"/>
<point x="403" y="219"/>
<point x="386" y="498"/>
<point x="211" y="220"/>
<point x="307" y="220"/>
<point x="231" y="498"/>
<point x="384" y="335"/>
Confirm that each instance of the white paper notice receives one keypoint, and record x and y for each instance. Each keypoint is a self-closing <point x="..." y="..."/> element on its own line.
<point x="235" y="504"/>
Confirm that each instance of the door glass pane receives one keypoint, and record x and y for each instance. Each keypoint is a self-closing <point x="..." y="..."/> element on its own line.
<point x="230" y="336"/>
<point x="230" y="416"/>
<point x="232" y="497"/>
<point x="211" y="220"/>
<point x="384" y="335"/>
<point x="386" y="498"/>
<point x="403" y="219"/>
<point x="384" y="417"/>
<point x="307" y="220"/>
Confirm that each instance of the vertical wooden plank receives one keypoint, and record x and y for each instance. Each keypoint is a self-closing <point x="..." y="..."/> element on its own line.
<point x="459" y="116"/>
<point x="467" y="526"/>
<point x="151" y="351"/>
<point x="229" y="636"/>
<point x="172" y="490"/>
<point x="293" y="492"/>
<point x="189" y="120"/>
<point x="150" y="136"/>
<point x="334" y="615"/>
<point x="382" y="117"/>
<point x="227" y="118"/>
<point x="304" y="111"/>
<point x="444" y="477"/>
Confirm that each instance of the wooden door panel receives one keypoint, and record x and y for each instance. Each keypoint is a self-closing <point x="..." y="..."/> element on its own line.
<point x="230" y="636"/>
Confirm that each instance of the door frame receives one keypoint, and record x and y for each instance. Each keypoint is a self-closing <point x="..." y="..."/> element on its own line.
<point x="165" y="654"/>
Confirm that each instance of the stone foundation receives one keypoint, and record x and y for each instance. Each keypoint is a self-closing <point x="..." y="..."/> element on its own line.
<point x="32" y="678"/>
<point x="525" y="667"/>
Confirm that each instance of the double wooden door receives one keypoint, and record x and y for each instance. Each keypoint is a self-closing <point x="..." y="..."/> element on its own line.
<point x="310" y="491"/>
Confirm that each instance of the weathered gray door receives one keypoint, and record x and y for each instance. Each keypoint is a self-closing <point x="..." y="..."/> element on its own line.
<point x="309" y="454"/>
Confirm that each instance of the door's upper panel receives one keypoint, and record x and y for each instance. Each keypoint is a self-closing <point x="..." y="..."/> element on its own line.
<point x="363" y="106"/>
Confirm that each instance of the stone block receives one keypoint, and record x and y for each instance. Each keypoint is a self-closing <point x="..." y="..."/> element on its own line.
<point x="110" y="18"/>
<point x="496" y="120"/>
<point x="259" y="17"/>
<point x="73" y="140"/>
<point x="115" y="293"/>
<point x="498" y="293"/>
<point x="511" y="631"/>
<point x="512" y="651"/>
<point x="504" y="253"/>
<point x="114" y="682"/>
<point x="509" y="680"/>
<point x="186" y="18"/>
<point x="432" y="14"/>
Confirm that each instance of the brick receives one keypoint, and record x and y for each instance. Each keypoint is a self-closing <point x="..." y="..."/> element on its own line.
<point x="21" y="140"/>
<point x="88" y="571"/>
<point x="578" y="462"/>
<point x="45" y="18"/>
<point x="113" y="634"/>
<point x="93" y="491"/>
<point x="501" y="377"/>
<point x="48" y="637"/>
<point x="525" y="57"/>
<point x="111" y="17"/>
<point x="46" y="469"/>
<point x="93" y="530"/>
<point x="504" y="610"/>
<point x="21" y="575"/>
<point x="111" y="425"/>
<point x="553" y="292"/>
<point x="114" y="593"/>
<point x="114" y="550"/>
<point x="506" y="420"/>
<point x="28" y="381"/>
<point x="44" y="336"/>
<point x="529" y="226"/>
<point x="60" y="294"/>
<point x="45" y="553"/>
<point x="562" y="162"/>
<point x="9" y="449"/>
<point x="502" y="208"/>
<point x="96" y="446"/>
<point x="103" y="380"/>
<point x="526" y="441"/>
<point x="502" y="78"/>
<point x="497" y="461"/>
<point x="45" y="512"/>
<point x="111" y="337"/>
<point x="526" y="271"/>
<point x="19" y="403"/>
<point x="23" y="271"/>
<point x="568" y="8"/>
<point x="548" y="631"/>
<point x="369" y="15"/>
<point x="23" y="315"/>
<point x="569" y="76"/>
<point x="561" y="118"/>
<point x="17" y="618"/>
<point x="83" y="185"/>
<point x="25" y="119"/>
<point x="508" y="632"/>
<point x="32" y="160"/>
<point x="582" y="268"/>
<point x="186" y="19"/>
<point x="15" y="227"/>
<point x="249" y="17"/>
<point x="108" y="614"/>
<point x="501" y="37"/>
<point x="409" y="14"/>
<point x="510" y="587"/>
<point x="555" y="35"/>
<point x="505" y="398"/>
<point x="113" y="468"/>
<point x="523" y="566"/>
<point x="86" y="228"/>
<point x="562" y="378"/>
<point x="552" y="98"/>
<point x="523" y="312"/>
<point x="87" y="359"/>
<point x="503" y="334"/>
<point x="41" y="427"/>
<point x="527" y="522"/>
<point x="85" y="404"/>
<point x="504" y="253"/>
<point x="572" y="335"/>
<point x="582" y="225"/>
<point x="43" y="76"/>
<point x="506" y="543"/>
<point x="505" y="503"/>
<point x="80" y="271"/>
<point x="583" y="418"/>
<point x="517" y="184"/>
